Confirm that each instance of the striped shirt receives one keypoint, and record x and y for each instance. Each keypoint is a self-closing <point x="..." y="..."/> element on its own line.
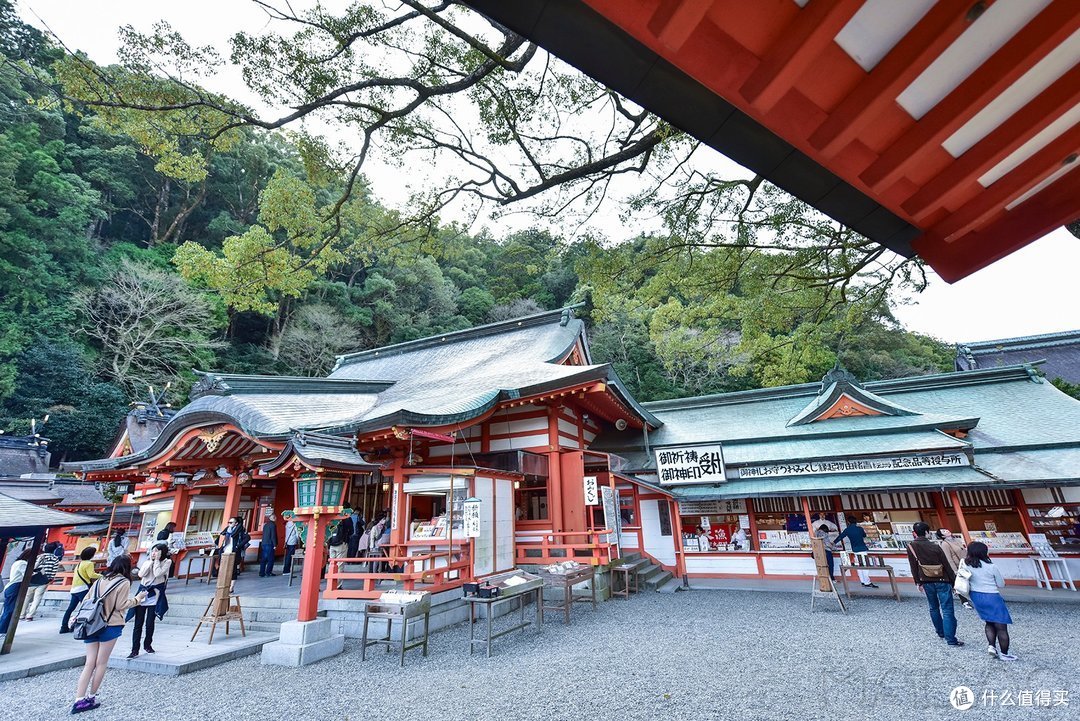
<point x="46" y="564"/>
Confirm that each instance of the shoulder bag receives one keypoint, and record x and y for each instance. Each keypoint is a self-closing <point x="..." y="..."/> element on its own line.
<point x="962" y="584"/>
<point x="932" y="572"/>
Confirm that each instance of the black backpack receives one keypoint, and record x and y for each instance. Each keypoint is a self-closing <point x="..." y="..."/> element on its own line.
<point x="90" y="616"/>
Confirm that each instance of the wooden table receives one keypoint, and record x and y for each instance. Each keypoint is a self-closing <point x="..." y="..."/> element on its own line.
<point x="490" y="603"/>
<point x="567" y="581"/>
<point x="630" y="579"/>
<point x="865" y="562"/>
<point x="206" y="568"/>
<point x="296" y="562"/>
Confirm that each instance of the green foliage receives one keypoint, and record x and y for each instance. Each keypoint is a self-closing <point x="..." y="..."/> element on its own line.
<point x="1072" y="389"/>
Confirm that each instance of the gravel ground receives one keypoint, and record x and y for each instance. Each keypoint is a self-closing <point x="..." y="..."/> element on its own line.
<point x="695" y="655"/>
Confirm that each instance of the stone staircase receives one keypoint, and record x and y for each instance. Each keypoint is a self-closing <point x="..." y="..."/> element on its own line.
<point x="651" y="576"/>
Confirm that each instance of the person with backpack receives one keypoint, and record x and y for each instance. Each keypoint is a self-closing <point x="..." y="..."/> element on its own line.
<point x="99" y="623"/>
<point x="934" y="576"/>
<point x="80" y="583"/>
<point x="153" y="576"/>
<point x="983" y="583"/>
<point x="45" y="569"/>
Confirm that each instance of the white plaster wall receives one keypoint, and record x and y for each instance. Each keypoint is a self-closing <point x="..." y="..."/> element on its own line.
<point x="725" y="564"/>
<point x="659" y="547"/>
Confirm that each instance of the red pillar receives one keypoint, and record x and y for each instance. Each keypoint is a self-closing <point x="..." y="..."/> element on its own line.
<point x="1022" y="509"/>
<point x="955" y="498"/>
<point x="181" y="507"/>
<point x="676" y="534"/>
<point x="555" y="504"/>
<point x="312" y="571"/>
<point x="806" y="512"/>
<point x="939" y="509"/>
<point x="232" y="499"/>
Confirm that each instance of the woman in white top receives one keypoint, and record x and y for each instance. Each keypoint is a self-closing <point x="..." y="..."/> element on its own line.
<point x="153" y="574"/>
<point x="11" y="591"/>
<point x="117" y="546"/>
<point x="985" y="580"/>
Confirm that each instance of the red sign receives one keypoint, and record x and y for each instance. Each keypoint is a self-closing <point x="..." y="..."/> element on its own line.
<point x="433" y="436"/>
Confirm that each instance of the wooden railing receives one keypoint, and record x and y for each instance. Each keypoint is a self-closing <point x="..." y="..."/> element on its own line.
<point x="420" y="573"/>
<point x="590" y="547"/>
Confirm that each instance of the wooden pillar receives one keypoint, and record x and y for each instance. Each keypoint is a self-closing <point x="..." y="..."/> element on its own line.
<point x="312" y="571"/>
<point x="400" y="509"/>
<point x="806" y="512"/>
<point x="232" y="499"/>
<point x="1022" y="509"/>
<point x="955" y="498"/>
<point x="181" y="507"/>
<point x="24" y="586"/>
<point x="555" y="504"/>
<point x="676" y="534"/>
<point x="753" y="545"/>
<point x="939" y="509"/>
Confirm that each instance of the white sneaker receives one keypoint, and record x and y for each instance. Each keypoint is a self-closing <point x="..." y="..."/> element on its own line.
<point x="1006" y="657"/>
<point x="991" y="650"/>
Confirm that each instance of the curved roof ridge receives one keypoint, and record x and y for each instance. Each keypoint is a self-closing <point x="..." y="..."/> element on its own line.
<point x="1023" y="342"/>
<point x="480" y="331"/>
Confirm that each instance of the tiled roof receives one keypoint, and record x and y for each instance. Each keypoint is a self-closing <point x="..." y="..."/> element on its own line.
<point x="19" y="516"/>
<point x="321" y="450"/>
<point x="1060" y="353"/>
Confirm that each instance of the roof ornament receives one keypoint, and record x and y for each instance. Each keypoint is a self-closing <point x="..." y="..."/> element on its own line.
<point x="837" y="374"/>
<point x="209" y="384"/>
<point x="566" y="317"/>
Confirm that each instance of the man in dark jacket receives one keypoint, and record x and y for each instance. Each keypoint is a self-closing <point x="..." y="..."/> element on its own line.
<point x="267" y="547"/>
<point x="934" y="576"/>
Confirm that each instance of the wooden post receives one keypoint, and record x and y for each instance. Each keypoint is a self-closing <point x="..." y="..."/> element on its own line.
<point x="312" y="572"/>
<point x="955" y="498"/>
<point x="108" y="533"/>
<point x="806" y="512"/>
<point x="24" y="586"/>
<point x="676" y="533"/>
<point x="939" y="509"/>
<point x="555" y="509"/>
<point x="232" y="499"/>
<point x="181" y="507"/>
<point x="1022" y="509"/>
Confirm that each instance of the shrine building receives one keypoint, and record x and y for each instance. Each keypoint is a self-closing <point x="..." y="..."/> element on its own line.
<point x="505" y="445"/>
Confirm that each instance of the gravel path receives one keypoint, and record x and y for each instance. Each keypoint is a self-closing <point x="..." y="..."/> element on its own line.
<point x="696" y="655"/>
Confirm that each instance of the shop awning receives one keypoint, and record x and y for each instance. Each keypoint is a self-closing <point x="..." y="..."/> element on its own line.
<point x="914" y="480"/>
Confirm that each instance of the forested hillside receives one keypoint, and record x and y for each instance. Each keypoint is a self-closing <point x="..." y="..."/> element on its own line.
<point x="118" y="272"/>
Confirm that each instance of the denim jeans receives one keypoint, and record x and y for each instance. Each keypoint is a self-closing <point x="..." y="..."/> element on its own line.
<point x="939" y="596"/>
<point x="76" y="599"/>
<point x="266" y="559"/>
<point x="287" y="564"/>
<point x="11" y="594"/>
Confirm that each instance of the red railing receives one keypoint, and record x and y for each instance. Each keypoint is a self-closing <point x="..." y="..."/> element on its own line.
<point x="555" y="547"/>
<point x="420" y="574"/>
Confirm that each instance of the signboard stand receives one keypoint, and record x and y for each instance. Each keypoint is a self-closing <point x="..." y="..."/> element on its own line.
<point x="225" y="605"/>
<point x="823" y="584"/>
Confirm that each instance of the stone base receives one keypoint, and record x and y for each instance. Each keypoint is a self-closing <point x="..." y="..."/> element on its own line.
<point x="303" y="642"/>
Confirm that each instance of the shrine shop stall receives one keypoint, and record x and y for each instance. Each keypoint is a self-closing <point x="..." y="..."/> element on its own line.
<point x="742" y="480"/>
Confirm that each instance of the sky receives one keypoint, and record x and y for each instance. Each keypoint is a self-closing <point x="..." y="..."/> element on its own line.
<point x="1035" y="290"/>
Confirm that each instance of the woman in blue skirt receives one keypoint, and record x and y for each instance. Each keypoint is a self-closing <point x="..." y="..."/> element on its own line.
<point x="985" y="581"/>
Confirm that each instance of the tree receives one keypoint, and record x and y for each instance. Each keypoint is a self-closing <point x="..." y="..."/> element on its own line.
<point x="316" y="334"/>
<point x="432" y="84"/>
<point x="148" y="325"/>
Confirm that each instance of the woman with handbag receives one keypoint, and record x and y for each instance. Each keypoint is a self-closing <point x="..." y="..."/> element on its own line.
<point x="153" y="575"/>
<point x="109" y="597"/>
<point x="983" y="584"/>
<point x="45" y="568"/>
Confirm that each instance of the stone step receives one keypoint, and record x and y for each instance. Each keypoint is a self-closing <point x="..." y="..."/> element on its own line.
<point x="670" y="586"/>
<point x="630" y="556"/>
<point x="656" y="580"/>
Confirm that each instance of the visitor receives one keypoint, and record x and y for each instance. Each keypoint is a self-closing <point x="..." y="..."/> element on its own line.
<point x="702" y="539"/>
<point x="823" y="533"/>
<point x="267" y="547"/>
<point x="856" y="537"/>
<point x="955" y="550"/>
<point x="384" y="548"/>
<point x="153" y="577"/>
<point x="233" y="539"/>
<point x="292" y="539"/>
<point x="165" y="533"/>
<point x="112" y="589"/>
<point x="45" y="569"/>
<point x="81" y="580"/>
<point x="934" y="576"/>
<point x="339" y="539"/>
<point x="985" y="580"/>
<point x="117" y="546"/>
<point x="739" y="540"/>
<point x="11" y="591"/>
<point x="357" y="530"/>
